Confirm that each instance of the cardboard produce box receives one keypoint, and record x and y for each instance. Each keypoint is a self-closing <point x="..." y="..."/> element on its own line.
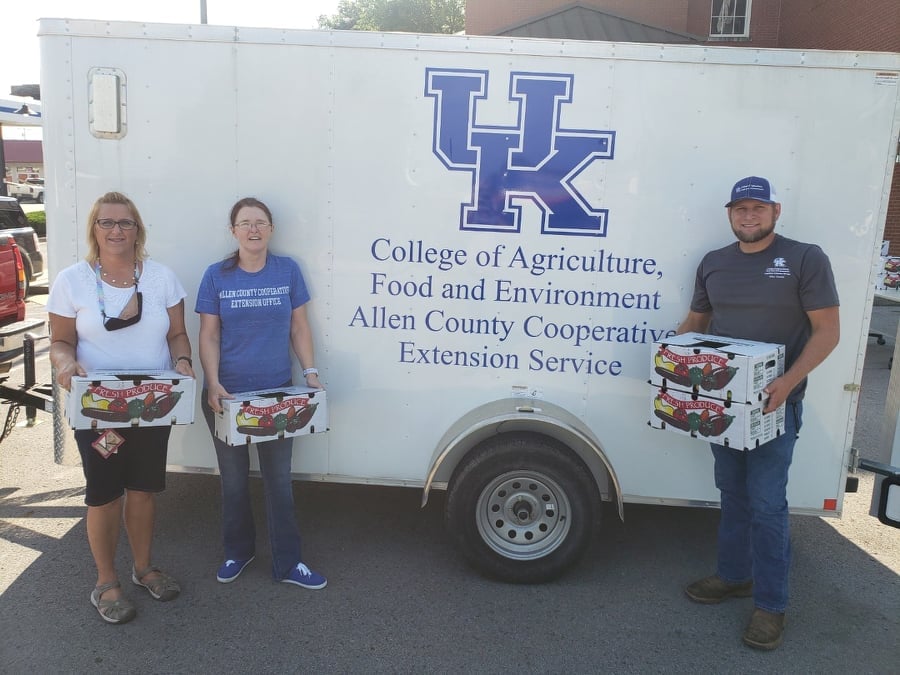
<point x="265" y="415"/>
<point x="737" y="425"/>
<point x="718" y="367"/>
<point x="143" y="398"/>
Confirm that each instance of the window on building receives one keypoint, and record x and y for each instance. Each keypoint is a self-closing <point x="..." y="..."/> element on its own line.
<point x="730" y="19"/>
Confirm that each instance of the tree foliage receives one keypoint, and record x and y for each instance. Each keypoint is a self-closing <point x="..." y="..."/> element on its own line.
<point x="412" y="16"/>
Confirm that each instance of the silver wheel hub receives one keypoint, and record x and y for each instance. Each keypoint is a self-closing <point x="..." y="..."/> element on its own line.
<point x="523" y="515"/>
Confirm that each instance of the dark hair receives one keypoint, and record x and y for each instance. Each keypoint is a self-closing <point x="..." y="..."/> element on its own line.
<point x="232" y="261"/>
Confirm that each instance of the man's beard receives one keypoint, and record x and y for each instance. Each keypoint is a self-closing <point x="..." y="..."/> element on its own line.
<point x="753" y="236"/>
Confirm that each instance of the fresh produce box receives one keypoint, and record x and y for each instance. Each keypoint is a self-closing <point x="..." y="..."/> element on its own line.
<point x="718" y="367"/>
<point x="888" y="276"/>
<point x="143" y="398"/>
<point x="264" y="415"/>
<point x="737" y="425"/>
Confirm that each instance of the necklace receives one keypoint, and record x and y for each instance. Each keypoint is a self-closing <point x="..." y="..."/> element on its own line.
<point x="101" y="300"/>
<point x="109" y="279"/>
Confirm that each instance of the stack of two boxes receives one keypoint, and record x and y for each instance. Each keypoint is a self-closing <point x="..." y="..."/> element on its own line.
<point x="711" y="388"/>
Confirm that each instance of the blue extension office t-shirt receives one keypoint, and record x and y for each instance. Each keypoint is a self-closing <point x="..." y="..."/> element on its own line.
<point x="254" y="309"/>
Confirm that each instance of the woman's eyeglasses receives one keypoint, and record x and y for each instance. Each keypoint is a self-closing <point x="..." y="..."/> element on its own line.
<point x="109" y="223"/>
<point x="245" y="225"/>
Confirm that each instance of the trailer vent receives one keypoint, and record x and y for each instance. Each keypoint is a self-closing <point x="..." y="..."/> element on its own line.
<point x="107" y="102"/>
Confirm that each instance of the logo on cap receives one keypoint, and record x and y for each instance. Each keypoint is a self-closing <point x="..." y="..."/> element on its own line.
<point x="752" y="187"/>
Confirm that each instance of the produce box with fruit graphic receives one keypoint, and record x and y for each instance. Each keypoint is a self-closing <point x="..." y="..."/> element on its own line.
<point x="718" y="367"/>
<point x="106" y="399"/>
<point x="258" y="416"/>
<point x="737" y="425"/>
<point x="889" y="278"/>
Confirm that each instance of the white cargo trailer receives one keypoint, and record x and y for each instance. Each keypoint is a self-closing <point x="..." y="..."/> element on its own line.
<point x="494" y="231"/>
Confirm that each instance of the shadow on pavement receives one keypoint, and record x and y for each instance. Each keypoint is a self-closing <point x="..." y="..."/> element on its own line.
<point x="400" y="599"/>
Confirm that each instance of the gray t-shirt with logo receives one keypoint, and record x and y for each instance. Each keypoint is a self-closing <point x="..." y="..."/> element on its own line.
<point x="764" y="296"/>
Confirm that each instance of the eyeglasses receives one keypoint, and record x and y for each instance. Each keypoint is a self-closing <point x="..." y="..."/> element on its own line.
<point x="245" y="225"/>
<point x="109" y="223"/>
<point x="115" y="323"/>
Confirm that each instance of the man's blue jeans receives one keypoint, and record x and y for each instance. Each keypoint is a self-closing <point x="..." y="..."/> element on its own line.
<point x="754" y="534"/>
<point x="238" y="529"/>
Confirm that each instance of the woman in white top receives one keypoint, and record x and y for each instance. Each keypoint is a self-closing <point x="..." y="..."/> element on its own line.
<point x="118" y="310"/>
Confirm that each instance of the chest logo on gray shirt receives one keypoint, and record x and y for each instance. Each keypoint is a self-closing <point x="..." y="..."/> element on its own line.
<point x="779" y="269"/>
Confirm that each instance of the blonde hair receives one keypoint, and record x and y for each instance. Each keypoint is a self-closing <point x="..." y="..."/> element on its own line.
<point x="93" y="255"/>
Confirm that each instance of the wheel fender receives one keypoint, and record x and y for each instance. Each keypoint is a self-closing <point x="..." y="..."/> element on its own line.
<point x="518" y="414"/>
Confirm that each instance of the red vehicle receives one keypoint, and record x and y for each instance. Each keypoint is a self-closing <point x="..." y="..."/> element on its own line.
<point x="13" y="324"/>
<point x="15" y="331"/>
<point x="12" y="282"/>
<point x="14" y="222"/>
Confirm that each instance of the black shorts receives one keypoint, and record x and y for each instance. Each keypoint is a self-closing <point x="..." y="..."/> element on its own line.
<point x="138" y="464"/>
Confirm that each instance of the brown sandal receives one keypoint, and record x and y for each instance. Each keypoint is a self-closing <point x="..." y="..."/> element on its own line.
<point x="162" y="587"/>
<point x="112" y="611"/>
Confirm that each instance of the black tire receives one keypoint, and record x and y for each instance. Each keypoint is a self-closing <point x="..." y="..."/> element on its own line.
<point x="522" y="508"/>
<point x="40" y="198"/>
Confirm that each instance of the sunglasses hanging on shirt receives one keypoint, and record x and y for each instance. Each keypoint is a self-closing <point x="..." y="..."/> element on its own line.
<point x="114" y="322"/>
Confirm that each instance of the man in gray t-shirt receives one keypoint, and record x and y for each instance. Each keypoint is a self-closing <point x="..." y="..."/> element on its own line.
<point x="773" y="289"/>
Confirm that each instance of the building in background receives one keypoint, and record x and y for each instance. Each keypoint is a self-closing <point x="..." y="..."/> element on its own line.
<point x="24" y="160"/>
<point x="854" y="25"/>
<point x="19" y="113"/>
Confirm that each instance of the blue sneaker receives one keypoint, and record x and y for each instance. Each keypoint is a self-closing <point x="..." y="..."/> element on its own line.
<point x="301" y="575"/>
<point x="231" y="569"/>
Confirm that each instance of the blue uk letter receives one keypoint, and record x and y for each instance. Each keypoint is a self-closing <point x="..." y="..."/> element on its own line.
<point x="533" y="161"/>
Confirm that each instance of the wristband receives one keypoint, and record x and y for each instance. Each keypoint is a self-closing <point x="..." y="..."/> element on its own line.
<point x="185" y="358"/>
<point x="310" y="371"/>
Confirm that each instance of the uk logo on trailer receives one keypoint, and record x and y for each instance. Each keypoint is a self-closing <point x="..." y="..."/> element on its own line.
<point x="534" y="161"/>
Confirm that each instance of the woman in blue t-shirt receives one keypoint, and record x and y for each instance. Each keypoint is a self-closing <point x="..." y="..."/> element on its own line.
<point x="252" y="308"/>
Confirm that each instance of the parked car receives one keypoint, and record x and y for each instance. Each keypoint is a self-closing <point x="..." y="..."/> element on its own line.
<point x="37" y="189"/>
<point x="13" y="287"/>
<point x="32" y="189"/>
<point x="14" y="222"/>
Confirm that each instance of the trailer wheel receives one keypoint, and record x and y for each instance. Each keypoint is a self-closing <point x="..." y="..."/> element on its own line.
<point x="521" y="508"/>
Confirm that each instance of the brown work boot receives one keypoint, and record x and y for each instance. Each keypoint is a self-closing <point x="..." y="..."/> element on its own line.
<point x="712" y="590"/>
<point x="765" y="630"/>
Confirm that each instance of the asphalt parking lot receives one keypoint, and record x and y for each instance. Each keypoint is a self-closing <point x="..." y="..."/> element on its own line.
<point x="400" y="599"/>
